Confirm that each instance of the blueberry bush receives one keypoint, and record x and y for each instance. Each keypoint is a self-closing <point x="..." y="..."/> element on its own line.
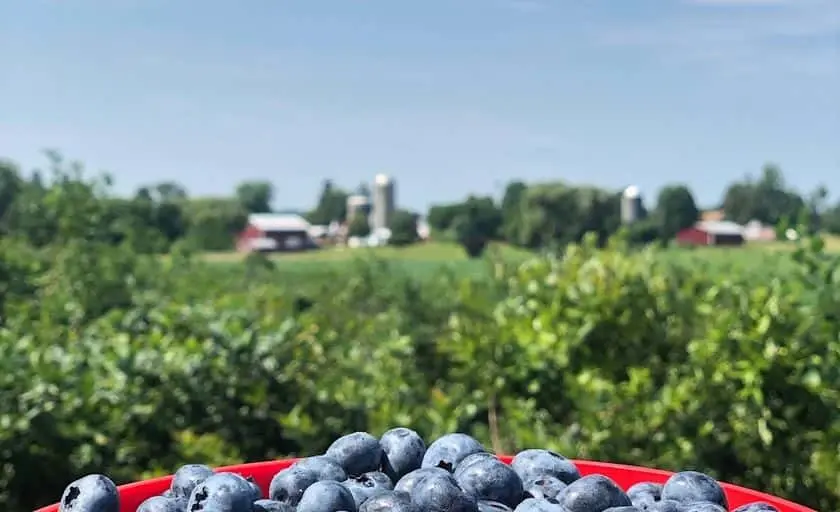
<point x="131" y="366"/>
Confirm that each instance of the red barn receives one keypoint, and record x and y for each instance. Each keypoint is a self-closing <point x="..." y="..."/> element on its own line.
<point x="712" y="233"/>
<point x="274" y="232"/>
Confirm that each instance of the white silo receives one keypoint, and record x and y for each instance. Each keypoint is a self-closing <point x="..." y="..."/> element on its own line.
<point x="384" y="201"/>
<point x="631" y="204"/>
<point x="357" y="204"/>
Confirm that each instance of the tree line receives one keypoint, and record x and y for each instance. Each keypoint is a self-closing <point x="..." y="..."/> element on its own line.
<point x="557" y="213"/>
<point x="40" y="208"/>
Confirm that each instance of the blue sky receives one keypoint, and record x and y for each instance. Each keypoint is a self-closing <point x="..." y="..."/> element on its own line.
<point x="450" y="97"/>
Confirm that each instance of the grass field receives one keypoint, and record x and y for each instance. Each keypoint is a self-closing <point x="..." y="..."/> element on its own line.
<point x="442" y="252"/>
<point x="432" y="252"/>
<point x="428" y="259"/>
<point x="420" y="259"/>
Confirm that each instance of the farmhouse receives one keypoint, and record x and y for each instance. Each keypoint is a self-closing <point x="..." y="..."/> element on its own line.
<point x="275" y="232"/>
<point x="712" y="232"/>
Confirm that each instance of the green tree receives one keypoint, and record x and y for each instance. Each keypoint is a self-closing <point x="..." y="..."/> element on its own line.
<point x="332" y="205"/>
<point x="469" y="235"/>
<point x="11" y="184"/>
<point x="214" y="223"/>
<point x="473" y="219"/>
<point x="477" y="223"/>
<point x="170" y="191"/>
<point x="441" y="218"/>
<point x="359" y="226"/>
<point x="68" y="206"/>
<point x="255" y="196"/>
<point x="512" y="210"/>
<point x="767" y="199"/>
<point x="817" y="206"/>
<point x="644" y="231"/>
<point x="830" y="219"/>
<point x="169" y="218"/>
<point x="403" y="228"/>
<point x="556" y="214"/>
<point x="162" y="209"/>
<point x="675" y="210"/>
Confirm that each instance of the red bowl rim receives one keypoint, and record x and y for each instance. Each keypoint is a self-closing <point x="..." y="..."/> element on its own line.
<point x="586" y="466"/>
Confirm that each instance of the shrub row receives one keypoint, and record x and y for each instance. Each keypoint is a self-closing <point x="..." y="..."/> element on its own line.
<point x="140" y="366"/>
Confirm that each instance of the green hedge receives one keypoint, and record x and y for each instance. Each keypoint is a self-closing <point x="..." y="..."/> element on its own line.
<point x="131" y="367"/>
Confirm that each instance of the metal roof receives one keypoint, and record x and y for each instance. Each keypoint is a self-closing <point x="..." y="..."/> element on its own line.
<point x="721" y="227"/>
<point x="278" y="222"/>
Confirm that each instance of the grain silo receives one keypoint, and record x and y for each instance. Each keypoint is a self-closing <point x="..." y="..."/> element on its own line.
<point x="631" y="204"/>
<point x="357" y="204"/>
<point x="383" y="201"/>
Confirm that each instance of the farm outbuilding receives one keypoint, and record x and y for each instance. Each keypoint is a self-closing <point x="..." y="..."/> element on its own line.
<point x="712" y="233"/>
<point x="756" y="231"/>
<point x="275" y="232"/>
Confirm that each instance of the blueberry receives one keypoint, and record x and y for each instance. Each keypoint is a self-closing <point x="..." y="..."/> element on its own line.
<point x="449" y="450"/>
<point x="545" y="487"/>
<point x="691" y="486"/>
<point x="162" y="504"/>
<point x="439" y="494"/>
<point x="365" y="486"/>
<point x="758" y="506"/>
<point x="663" y="506"/>
<point x="472" y="459"/>
<point x="390" y="501"/>
<point x="491" y="479"/>
<point x="593" y="493"/>
<point x="702" y="506"/>
<point x="288" y="485"/>
<point x="271" y="506"/>
<point x="399" y="473"/>
<point x="327" y="468"/>
<point x="187" y="477"/>
<point x="532" y="464"/>
<point x="257" y="492"/>
<point x="409" y="481"/>
<point x="357" y="453"/>
<point x="539" y="505"/>
<point x="644" y="492"/>
<point x="326" y="496"/>
<point x="492" y="506"/>
<point x="403" y="451"/>
<point x="91" y="493"/>
<point x="222" y="492"/>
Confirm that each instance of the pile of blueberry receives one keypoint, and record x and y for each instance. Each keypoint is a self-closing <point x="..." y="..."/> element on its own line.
<point x="398" y="473"/>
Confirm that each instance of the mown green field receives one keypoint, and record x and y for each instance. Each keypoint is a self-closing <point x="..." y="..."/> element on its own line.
<point x="432" y="251"/>
<point x="432" y="257"/>
<point x="419" y="260"/>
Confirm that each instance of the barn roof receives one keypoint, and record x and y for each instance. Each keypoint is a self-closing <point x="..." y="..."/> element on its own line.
<point x="720" y="227"/>
<point x="278" y="222"/>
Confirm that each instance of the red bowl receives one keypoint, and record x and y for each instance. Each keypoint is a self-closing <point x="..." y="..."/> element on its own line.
<point x="132" y="495"/>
